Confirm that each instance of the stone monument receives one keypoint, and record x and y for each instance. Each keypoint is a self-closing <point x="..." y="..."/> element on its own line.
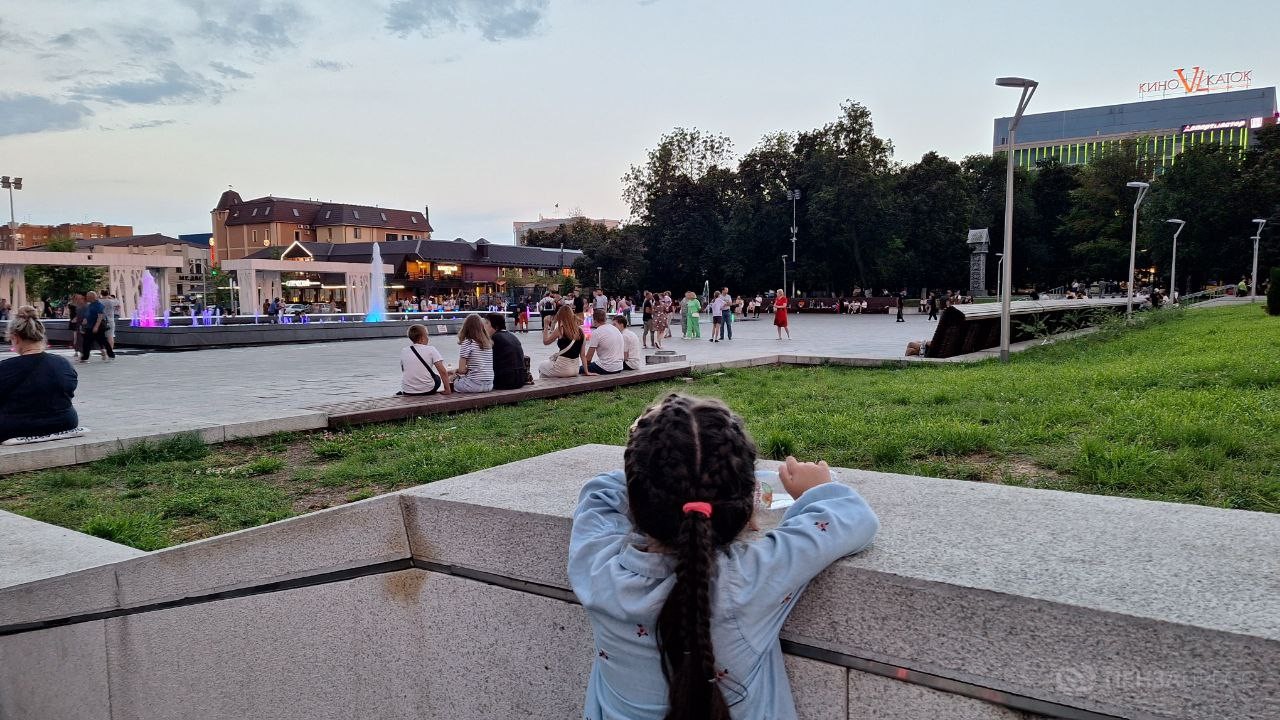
<point x="979" y="244"/>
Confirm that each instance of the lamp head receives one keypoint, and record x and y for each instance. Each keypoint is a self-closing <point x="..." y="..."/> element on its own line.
<point x="1179" y="223"/>
<point x="1017" y="82"/>
<point x="1260" y="221"/>
<point x="1137" y="184"/>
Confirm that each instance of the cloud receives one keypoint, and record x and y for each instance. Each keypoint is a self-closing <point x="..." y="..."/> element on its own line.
<point x="264" y="27"/>
<point x="495" y="20"/>
<point x="230" y="71"/>
<point x="171" y="85"/>
<point x="73" y="38"/>
<point x="24" y="113"/>
<point x="330" y="65"/>
<point x="146" y="40"/>
<point x="151" y="124"/>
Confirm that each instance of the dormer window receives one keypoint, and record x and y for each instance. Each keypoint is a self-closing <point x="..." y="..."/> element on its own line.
<point x="295" y="213"/>
<point x="356" y="213"/>
<point x="255" y="212"/>
<point x="327" y="213"/>
<point x="413" y="219"/>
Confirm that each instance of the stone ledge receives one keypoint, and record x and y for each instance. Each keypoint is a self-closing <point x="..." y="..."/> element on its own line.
<point x="985" y="584"/>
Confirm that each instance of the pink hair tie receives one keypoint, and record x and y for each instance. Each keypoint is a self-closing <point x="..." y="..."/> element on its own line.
<point x="702" y="508"/>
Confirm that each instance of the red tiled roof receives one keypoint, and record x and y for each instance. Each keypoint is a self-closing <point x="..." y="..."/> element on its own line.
<point x="319" y="214"/>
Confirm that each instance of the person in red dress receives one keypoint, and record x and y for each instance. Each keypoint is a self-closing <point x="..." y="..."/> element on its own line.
<point x="780" y="313"/>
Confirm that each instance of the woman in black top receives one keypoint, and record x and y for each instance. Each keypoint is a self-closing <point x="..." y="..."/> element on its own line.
<point x="35" y="387"/>
<point x="568" y="337"/>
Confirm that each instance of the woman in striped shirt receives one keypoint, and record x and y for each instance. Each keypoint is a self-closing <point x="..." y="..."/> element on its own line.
<point x="475" y="358"/>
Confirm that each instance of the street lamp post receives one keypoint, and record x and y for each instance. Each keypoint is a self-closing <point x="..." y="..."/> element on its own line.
<point x="1006" y="275"/>
<point x="599" y="277"/>
<point x="793" y="196"/>
<point x="1173" y="265"/>
<point x="12" y="184"/>
<point x="784" y="274"/>
<point x="1253" y="280"/>
<point x="1142" y="189"/>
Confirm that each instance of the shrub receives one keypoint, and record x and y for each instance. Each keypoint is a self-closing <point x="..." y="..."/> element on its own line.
<point x="1273" y="292"/>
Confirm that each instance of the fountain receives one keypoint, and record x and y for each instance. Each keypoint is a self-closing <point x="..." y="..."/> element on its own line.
<point x="149" y="303"/>
<point x="377" y="289"/>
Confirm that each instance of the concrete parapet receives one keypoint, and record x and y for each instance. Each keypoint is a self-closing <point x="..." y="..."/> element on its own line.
<point x="450" y="600"/>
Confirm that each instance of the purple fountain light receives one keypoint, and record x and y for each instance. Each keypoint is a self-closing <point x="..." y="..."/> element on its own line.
<point x="149" y="303"/>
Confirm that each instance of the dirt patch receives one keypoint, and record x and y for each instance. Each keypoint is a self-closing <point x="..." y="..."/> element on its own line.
<point x="991" y="468"/>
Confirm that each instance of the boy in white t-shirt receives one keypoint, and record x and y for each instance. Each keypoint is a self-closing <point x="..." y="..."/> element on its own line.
<point x="422" y="366"/>
<point x="631" y="356"/>
<point x="605" y="352"/>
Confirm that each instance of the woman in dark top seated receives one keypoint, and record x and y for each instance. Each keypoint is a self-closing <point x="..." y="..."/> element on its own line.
<point x="568" y="337"/>
<point x="35" y="387"/>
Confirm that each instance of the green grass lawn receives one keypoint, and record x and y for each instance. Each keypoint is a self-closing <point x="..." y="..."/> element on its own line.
<point x="1184" y="408"/>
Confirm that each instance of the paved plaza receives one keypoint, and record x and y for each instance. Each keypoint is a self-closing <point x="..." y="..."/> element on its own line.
<point x="258" y="390"/>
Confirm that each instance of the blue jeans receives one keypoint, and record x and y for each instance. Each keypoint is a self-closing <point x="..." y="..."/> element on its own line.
<point x="726" y="325"/>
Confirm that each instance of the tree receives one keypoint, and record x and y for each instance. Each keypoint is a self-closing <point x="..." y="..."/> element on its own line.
<point x="1098" y="226"/>
<point x="621" y="253"/>
<point x="930" y="224"/>
<point x="59" y="282"/>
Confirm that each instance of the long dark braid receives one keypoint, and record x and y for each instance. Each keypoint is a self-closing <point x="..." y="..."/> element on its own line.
<point x="690" y="450"/>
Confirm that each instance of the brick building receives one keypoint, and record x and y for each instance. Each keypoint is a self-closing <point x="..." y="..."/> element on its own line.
<point x="243" y="227"/>
<point x="25" y="236"/>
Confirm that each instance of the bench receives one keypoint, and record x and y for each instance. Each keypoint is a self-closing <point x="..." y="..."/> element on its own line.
<point x="400" y="407"/>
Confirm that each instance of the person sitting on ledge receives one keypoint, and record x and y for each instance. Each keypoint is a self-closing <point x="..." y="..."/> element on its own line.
<point x="605" y="352"/>
<point x="475" y="358"/>
<point x="36" y="387"/>
<point x="684" y="611"/>
<point x="565" y="332"/>
<point x="632" y="356"/>
<point x="509" y="372"/>
<point x="422" y="368"/>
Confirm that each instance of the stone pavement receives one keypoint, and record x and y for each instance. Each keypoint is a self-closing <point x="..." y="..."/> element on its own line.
<point x="237" y="392"/>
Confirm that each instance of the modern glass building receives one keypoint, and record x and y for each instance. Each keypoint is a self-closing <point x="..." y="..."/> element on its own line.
<point x="1163" y="128"/>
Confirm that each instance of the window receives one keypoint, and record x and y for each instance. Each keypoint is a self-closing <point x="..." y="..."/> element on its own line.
<point x="357" y="230"/>
<point x="295" y="213"/>
<point x="255" y="212"/>
<point x="297" y="235"/>
<point x="327" y="213"/>
<point x="356" y="213"/>
<point x="330" y="232"/>
<point x="392" y="237"/>
<point x="384" y="216"/>
<point x="255" y="237"/>
<point x="413" y="219"/>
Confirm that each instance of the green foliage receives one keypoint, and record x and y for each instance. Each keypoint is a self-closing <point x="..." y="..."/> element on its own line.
<point x="60" y="283"/>
<point x="265" y="466"/>
<point x="143" y="531"/>
<point x="1174" y="405"/>
<point x="1273" y="292"/>
<point x="186" y="446"/>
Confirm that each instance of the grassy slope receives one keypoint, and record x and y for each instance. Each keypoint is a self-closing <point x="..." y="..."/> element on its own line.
<point x="1185" y="410"/>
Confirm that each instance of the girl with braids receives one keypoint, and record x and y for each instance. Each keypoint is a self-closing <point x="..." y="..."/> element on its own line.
<point x="685" y="613"/>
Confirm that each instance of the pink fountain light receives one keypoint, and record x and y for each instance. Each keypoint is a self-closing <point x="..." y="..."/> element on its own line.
<point x="149" y="303"/>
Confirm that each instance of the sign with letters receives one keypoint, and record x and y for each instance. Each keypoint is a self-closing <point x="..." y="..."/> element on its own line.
<point x="1188" y="81"/>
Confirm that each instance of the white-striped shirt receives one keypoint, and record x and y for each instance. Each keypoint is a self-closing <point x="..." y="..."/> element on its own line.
<point x="479" y="375"/>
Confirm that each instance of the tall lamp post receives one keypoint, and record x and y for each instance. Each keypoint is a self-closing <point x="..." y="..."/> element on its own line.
<point x="599" y="277"/>
<point x="1006" y="275"/>
<point x="12" y="184"/>
<point x="1142" y="189"/>
<point x="793" y="196"/>
<point x="1173" y="265"/>
<point x="1000" y="275"/>
<point x="784" y="274"/>
<point x="1253" y="280"/>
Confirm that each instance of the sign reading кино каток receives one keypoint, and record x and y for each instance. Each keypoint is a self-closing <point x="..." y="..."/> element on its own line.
<point x="1197" y="80"/>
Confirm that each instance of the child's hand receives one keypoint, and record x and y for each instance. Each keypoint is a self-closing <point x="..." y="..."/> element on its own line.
<point x="797" y="477"/>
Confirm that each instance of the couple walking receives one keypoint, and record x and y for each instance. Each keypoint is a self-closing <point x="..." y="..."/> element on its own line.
<point x="721" y="315"/>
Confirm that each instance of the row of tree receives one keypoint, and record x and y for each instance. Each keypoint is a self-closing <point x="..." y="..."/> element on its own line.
<point x="700" y="213"/>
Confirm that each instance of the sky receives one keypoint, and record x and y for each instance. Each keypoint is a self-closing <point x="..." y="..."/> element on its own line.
<point x="490" y="111"/>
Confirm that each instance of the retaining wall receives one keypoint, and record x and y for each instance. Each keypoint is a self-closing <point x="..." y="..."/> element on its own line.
<point x="450" y="600"/>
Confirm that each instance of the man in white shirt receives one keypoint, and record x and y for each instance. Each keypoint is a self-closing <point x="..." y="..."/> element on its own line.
<point x="422" y="366"/>
<point x="606" y="352"/>
<point x="600" y="301"/>
<point x="632" y="356"/>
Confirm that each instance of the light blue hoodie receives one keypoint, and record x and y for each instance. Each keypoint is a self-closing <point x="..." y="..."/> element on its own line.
<point x="756" y="586"/>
